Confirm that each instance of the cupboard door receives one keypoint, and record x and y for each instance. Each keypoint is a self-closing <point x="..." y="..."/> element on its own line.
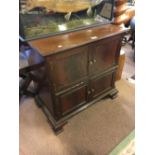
<point x="102" y="84"/>
<point x="69" y="68"/>
<point x="104" y="54"/>
<point x="72" y="99"/>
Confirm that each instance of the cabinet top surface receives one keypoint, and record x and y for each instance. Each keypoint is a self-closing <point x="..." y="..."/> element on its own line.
<point x="55" y="44"/>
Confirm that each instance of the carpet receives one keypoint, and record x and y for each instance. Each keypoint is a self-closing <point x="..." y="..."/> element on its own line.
<point x="94" y="131"/>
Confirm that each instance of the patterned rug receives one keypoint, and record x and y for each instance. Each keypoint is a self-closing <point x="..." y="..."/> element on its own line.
<point x="126" y="147"/>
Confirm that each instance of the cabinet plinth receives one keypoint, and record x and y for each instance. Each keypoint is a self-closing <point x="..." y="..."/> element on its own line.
<point x="78" y="76"/>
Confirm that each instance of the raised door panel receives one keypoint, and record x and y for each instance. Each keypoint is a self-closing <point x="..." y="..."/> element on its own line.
<point x="69" y="68"/>
<point x="104" y="54"/>
<point x="72" y="100"/>
<point x="101" y="84"/>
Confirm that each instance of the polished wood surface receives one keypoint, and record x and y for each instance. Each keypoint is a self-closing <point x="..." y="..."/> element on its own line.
<point x="101" y="84"/>
<point x="71" y="100"/>
<point x="52" y="45"/>
<point x="68" y="67"/>
<point x="104" y="54"/>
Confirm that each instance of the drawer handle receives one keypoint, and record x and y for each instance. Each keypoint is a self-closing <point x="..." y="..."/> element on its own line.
<point x="77" y="85"/>
<point x="94" y="60"/>
<point x="89" y="92"/>
<point x="91" y="62"/>
<point x="82" y="83"/>
<point x="93" y="90"/>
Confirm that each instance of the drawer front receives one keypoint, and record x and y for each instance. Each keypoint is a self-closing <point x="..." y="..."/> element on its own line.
<point x="72" y="100"/>
<point x="68" y="68"/>
<point x="101" y="84"/>
<point x="105" y="54"/>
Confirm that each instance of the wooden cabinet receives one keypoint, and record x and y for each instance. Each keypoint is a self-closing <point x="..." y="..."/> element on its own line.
<point x="80" y="74"/>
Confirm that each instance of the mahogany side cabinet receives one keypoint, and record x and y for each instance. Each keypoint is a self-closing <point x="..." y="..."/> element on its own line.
<point x="80" y="70"/>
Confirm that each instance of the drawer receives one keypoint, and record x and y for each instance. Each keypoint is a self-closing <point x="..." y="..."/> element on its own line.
<point x="101" y="84"/>
<point x="71" y="100"/>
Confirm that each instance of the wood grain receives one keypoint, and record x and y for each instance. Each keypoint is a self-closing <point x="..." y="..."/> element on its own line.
<point x="55" y="44"/>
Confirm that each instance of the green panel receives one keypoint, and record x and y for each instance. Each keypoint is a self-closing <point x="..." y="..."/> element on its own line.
<point x="123" y="144"/>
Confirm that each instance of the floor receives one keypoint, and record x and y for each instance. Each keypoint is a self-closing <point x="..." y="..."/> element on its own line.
<point x="129" y="67"/>
<point x="95" y="131"/>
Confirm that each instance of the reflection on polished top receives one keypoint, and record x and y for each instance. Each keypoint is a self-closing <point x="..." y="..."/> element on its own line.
<point x="55" y="44"/>
<point x="42" y="18"/>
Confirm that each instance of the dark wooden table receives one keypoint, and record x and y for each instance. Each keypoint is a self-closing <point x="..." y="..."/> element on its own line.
<point x="29" y="61"/>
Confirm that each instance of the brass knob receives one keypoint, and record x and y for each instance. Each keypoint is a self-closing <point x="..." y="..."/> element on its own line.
<point x="89" y="92"/>
<point x="77" y="85"/>
<point x="91" y="62"/>
<point x="93" y="90"/>
<point x="94" y="60"/>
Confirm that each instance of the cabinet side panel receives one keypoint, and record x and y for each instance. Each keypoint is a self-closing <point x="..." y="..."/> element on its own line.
<point x="46" y="97"/>
<point x="45" y="92"/>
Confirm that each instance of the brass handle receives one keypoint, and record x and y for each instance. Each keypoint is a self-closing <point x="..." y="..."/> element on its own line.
<point x="91" y="62"/>
<point x="89" y="92"/>
<point x="79" y="84"/>
<point x="94" y="60"/>
<point x="93" y="90"/>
